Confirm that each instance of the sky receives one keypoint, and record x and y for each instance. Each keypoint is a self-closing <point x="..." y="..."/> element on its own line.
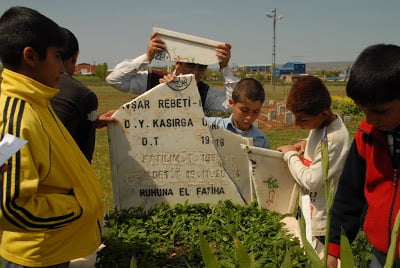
<point x="309" y="31"/>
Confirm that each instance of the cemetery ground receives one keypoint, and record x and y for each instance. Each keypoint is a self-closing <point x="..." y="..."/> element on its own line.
<point x="277" y="131"/>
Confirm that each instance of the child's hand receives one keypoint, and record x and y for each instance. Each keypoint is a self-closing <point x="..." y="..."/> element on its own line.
<point x="168" y="78"/>
<point x="224" y="54"/>
<point x="332" y="262"/>
<point x="3" y="169"/>
<point x="287" y="148"/>
<point x="105" y="118"/>
<point x="300" y="147"/>
<point x="155" y="45"/>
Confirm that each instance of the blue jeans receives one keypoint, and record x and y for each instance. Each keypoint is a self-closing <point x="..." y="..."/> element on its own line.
<point x="379" y="259"/>
<point x="7" y="264"/>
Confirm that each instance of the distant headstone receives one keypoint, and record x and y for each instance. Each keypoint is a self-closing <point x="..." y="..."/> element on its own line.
<point x="347" y="119"/>
<point x="282" y="109"/>
<point x="278" y="107"/>
<point x="272" y="114"/>
<point x="161" y="150"/>
<point x="289" y="118"/>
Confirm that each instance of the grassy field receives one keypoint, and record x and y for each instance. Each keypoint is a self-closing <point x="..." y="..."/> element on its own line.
<point x="110" y="98"/>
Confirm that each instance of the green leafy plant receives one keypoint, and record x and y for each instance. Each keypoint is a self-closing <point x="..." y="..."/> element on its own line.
<point x="168" y="236"/>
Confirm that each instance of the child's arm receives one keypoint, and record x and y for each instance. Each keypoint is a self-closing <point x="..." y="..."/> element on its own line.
<point x="28" y="206"/>
<point x="34" y="196"/>
<point x="126" y="75"/>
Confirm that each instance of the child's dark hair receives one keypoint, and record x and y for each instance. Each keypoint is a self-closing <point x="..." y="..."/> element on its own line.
<point x="22" y="27"/>
<point x="71" y="46"/>
<point x="375" y="75"/>
<point x="308" y="96"/>
<point x="248" y="88"/>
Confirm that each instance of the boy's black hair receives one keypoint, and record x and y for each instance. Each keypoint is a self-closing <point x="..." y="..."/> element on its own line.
<point x="248" y="88"/>
<point x="308" y="96"/>
<point x="22" y="27"/>
<point x="375" y="75"/>
<point x="71" y="46"/>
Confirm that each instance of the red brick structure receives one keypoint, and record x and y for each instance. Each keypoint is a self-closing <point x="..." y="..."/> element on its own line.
<point x="85" y="69"/>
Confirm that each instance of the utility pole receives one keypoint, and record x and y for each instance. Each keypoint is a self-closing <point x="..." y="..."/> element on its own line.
<point x="274" y="18"/>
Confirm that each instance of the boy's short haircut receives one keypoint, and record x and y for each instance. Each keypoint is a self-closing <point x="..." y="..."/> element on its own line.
<point x="308" y="96"/>
<point x="248" y="88"/>
<point x="375" y="75"/>
<point x="71" y="46"/>
<point x="22" y="27"/>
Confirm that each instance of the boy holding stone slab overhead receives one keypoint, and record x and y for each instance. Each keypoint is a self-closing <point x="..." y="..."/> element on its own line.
<point x="127" y="76"/>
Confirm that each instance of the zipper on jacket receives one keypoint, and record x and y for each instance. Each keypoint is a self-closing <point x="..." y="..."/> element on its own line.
<point x="395" y="184"/>
<point x="395" y="163"/>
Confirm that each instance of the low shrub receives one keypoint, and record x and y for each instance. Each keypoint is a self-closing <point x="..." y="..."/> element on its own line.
<point x="168" y="236"/>
<point x="345" y="106"/>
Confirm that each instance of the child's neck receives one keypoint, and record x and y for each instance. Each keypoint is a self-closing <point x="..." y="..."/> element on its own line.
<point x="331" y="117"/>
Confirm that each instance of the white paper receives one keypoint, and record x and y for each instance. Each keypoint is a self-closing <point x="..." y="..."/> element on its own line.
<point x="9" y="145"/>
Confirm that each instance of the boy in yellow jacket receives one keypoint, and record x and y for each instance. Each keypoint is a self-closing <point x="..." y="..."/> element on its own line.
<point x="51" y="207"/>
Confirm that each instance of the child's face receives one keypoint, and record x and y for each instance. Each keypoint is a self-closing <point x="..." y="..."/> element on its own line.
<point x="244" y="113"/>
<point x="311" y="121"/>
<point x="47" y="70"/>
<point x="191" y="68"/>
<point x="385" y="116"/>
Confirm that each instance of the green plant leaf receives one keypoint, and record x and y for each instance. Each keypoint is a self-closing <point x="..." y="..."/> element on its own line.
<point x="210" y="261"/>
<point x="392" y="249"/>
<point x="346" y="255"/>
<point x="310" y="251"/>
<point x="287" y="262"/>
<point x="241" y="253"/>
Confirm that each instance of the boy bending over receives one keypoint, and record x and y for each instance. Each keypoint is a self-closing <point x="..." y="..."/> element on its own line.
<point x="309" y="100"/>
<point x="368" y="190"/>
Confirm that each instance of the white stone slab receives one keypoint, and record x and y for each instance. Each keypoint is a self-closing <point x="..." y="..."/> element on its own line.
<point x="162" y="151"/>
<point x="234" y="159"/>
<point x="186" y="48"/>
<point x="274" y="186"/>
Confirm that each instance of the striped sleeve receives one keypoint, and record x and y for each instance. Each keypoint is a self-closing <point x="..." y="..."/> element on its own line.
<point x="22" y="206"/>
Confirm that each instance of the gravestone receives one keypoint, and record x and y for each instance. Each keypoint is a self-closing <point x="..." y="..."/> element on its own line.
<point x="282" y="109"/>
<point x="234" y="159"/>
<point x="278" y="107"/>
<point x="161" y="150"/>
<point x="186" y="48"/>
<point x="274" y="186"/>
<point x="289" y="118"/>
<point x="272" y="115"/>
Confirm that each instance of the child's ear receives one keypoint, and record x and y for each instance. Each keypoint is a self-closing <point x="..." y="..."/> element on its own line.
<point x="30" y="56"/>
<point x="325" y="114"/>
<point x="231" y="102"/>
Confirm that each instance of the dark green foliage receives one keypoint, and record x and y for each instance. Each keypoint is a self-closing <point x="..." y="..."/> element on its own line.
<point x="362" y="250"/>
<point x="169" y="236"/>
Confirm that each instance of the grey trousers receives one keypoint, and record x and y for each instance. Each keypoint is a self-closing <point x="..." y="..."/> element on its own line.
<point x="379" y="259"/>
<point x="7" y="264"/>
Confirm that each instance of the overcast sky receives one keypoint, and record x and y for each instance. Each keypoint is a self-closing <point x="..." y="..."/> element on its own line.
<point x="310" y="30"/>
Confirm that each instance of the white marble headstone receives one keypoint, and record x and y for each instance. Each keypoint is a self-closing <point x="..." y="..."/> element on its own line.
<point x="186" y="48"/>
<point x="274" y="186"/>
<point x="234" y="159"/>
<point x="161" y="150"/>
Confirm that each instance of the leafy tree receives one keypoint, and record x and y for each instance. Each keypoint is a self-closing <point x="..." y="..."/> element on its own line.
<point x="101" y="71"/>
